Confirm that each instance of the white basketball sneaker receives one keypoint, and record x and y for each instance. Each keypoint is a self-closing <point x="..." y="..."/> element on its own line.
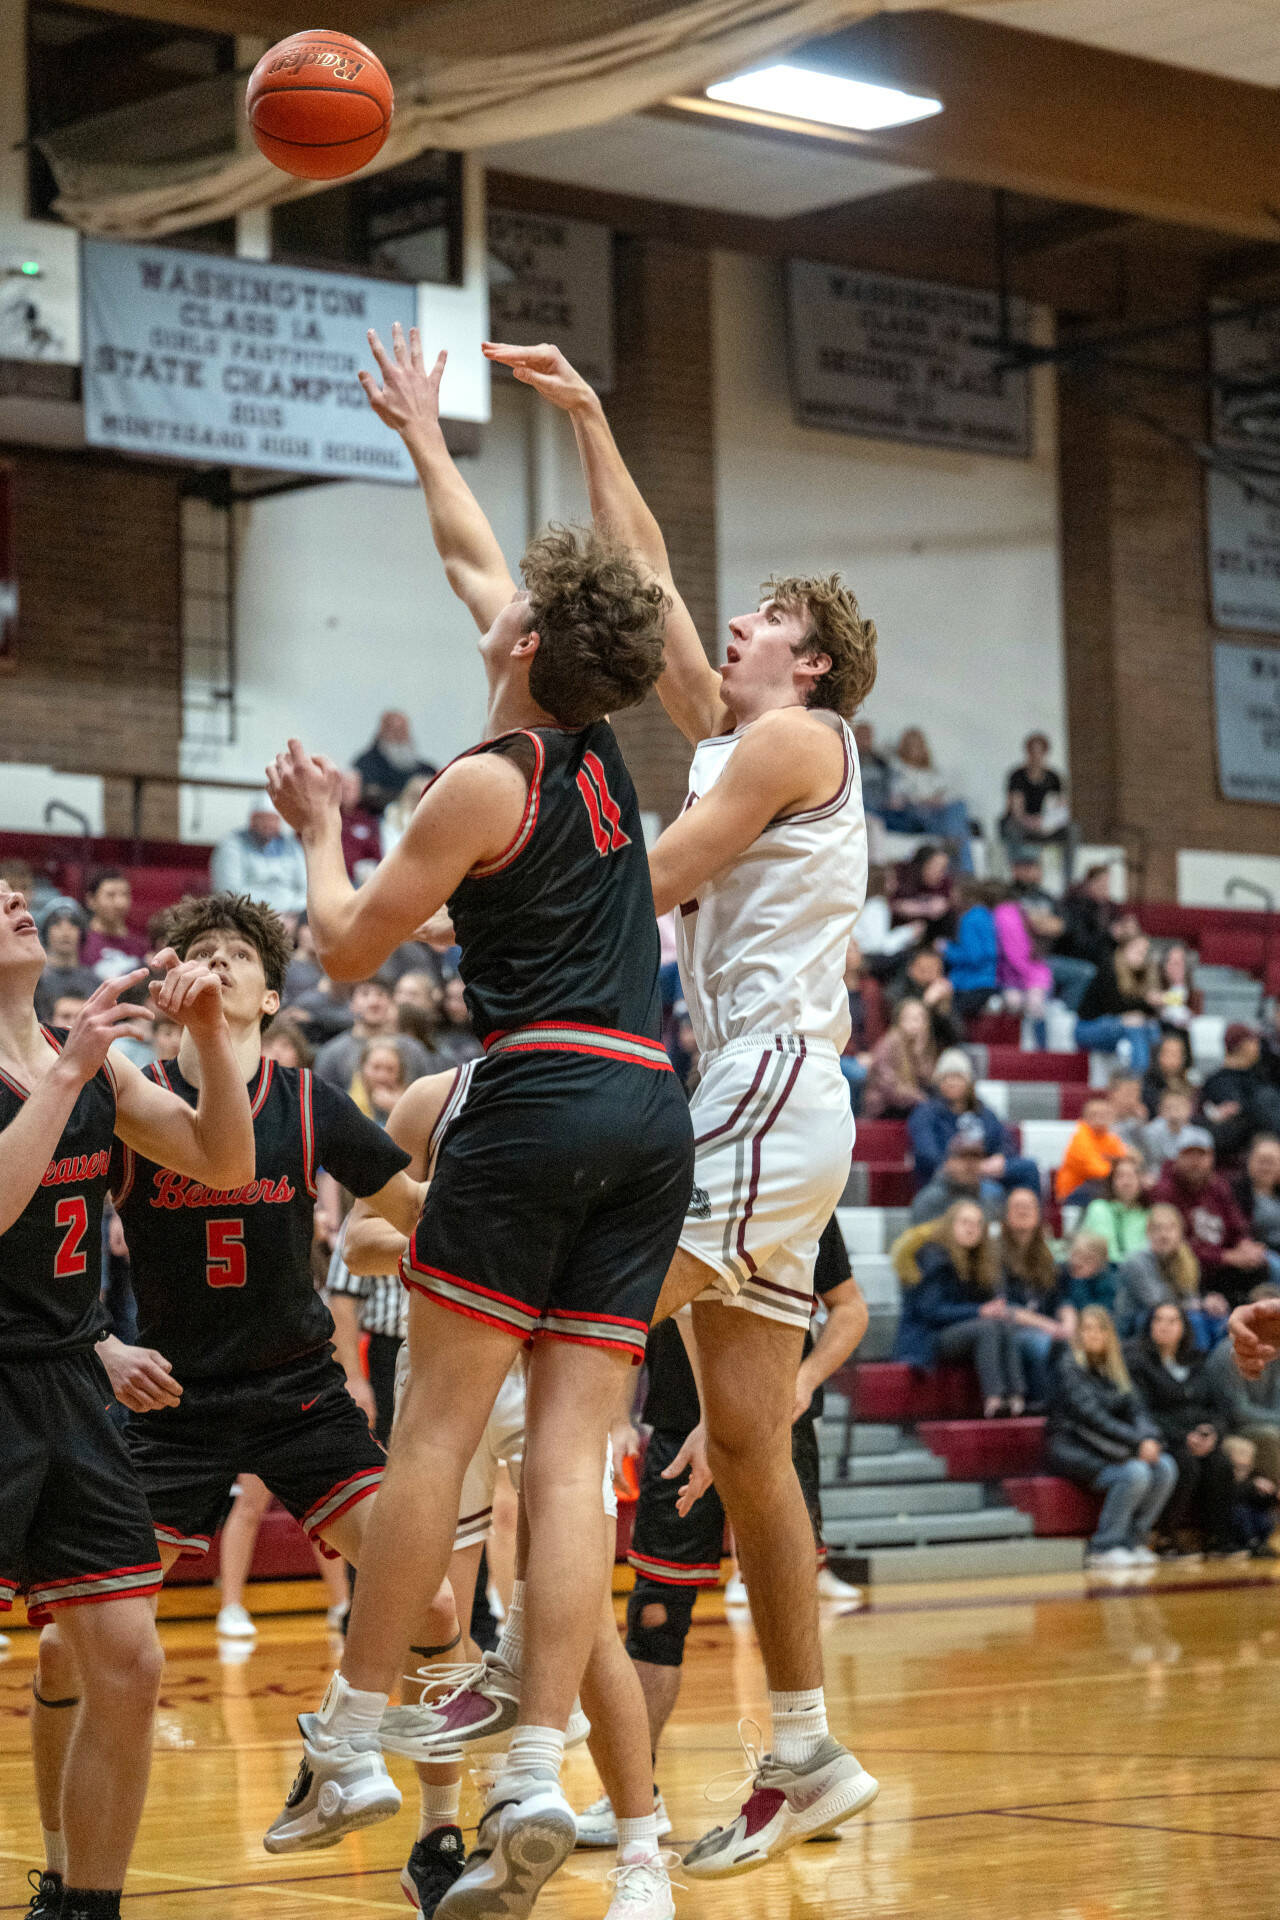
<point x="235" y="1623"/>
<point x="341" y="1786"/>
<point x="598" y="1826"/>
<point x="525" y="1834"/>
<point x="785" y="1805"/>
<point x="481" y="1704"/>
<point x="643" y="1889"/>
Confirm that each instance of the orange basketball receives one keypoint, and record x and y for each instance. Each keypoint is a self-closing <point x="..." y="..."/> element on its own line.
<point x="319" y="104"/>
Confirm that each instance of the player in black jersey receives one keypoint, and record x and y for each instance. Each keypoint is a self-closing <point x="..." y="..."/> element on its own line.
<point x="74" y="1528"/>
<point x="559" y="1189"/>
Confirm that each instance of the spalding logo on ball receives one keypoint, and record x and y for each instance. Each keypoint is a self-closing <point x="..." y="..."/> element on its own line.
<point x="319" y="104"/>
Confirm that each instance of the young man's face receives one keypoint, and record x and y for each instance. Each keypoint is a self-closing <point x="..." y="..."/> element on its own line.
<point x="246" y="997"/>
<point x="112" y="901"/>
<point x="761" y="668"/>
<point x="372" y="1006"/>
<point x="1195" y="1167"/>
<point x="20" y="948"/>
<point x="509" y="646"/>
<point x="62" y="942"/>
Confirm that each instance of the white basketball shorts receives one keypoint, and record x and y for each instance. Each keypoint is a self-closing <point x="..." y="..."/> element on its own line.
<point x="773" y="1138"/>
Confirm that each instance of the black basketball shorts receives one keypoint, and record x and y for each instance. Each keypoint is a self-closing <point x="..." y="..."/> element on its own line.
<point x="74" y="1526"/>
<point x="558" y="1198"/>
<point x="295" y="1426"/>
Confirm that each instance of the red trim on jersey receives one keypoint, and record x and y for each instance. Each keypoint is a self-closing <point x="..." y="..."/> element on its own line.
<point x="189" y="1544"/>
<point x="600" y="1319"/>
<point x="529" y="818"/>
<point x="158" y="1074"/>
<point x="362" y="1487"/>
<point x="608" y="805"/>
<point x="78" y="1579"/>
<point x="600" y="1053"/>
<point x="129" y="1165"/>
<point x="701" y="1139"/>
<point x="471" y="1286"/>
<point x="15" y="1086"/>
<point x="308" y="1130"/>
<point x="754" y="1187"/>
<point x="41" y="1612"/>
<point x="267" y="1071"/>
<point x="697" y="1573"/>
<point x="588" y="1340"/>
<point x="468" y="1313"/>
<point x="578" y="1026"/>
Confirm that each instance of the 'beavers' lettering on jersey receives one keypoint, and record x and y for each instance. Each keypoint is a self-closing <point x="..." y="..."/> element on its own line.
<point x="172" y="1190"/>
<point x="83" y="1166"/>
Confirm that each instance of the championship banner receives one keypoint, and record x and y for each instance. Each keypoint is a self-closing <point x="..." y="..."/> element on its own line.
<point x="1246" y="692"/>
<point x="194" y="356"/>
<point x="895" y="360"/>
<point x="1243" y="525"/>
<point x="552" y="279"/>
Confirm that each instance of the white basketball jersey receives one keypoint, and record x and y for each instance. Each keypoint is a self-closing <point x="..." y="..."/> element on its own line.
<point x="762" y="948"/>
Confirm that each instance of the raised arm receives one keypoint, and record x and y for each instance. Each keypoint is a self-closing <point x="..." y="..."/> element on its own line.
<point x="408" y="401"/>
<point x="214" y="1144"/>
<point x="469" y="814"/>
<point x="690" y="686"/>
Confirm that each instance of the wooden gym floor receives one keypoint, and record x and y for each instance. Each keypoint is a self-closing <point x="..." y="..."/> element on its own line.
<point x="1047" y="1748"/>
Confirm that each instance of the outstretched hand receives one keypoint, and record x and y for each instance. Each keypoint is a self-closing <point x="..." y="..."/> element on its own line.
<point x="101" y="1020"/>
<point x="546" y="370"/>
<point x="1255" y="1336"/>
<point x="305" y="788"/>
<point x="409" y="396"/>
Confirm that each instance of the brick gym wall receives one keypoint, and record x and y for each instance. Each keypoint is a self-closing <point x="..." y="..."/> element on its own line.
<point x="96" y="684"/>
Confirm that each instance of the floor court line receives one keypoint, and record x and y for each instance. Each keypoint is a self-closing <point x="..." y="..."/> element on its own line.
<point x="1136" y="1826"/>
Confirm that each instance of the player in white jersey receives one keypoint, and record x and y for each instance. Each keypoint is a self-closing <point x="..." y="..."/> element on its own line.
<point x="767" y="866"/>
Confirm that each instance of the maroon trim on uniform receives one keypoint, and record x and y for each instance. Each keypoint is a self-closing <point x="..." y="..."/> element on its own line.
<point x="788" y="1293"/>
<point x="754" y="1187"/>
<point x="528" y="819"/>
<point x="836" y="801"/>
<point x="702" y="1139"/>
<point x="308" y="1130"/>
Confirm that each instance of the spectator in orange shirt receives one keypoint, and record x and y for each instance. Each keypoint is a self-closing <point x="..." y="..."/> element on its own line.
<point x="1091" y="1153"/>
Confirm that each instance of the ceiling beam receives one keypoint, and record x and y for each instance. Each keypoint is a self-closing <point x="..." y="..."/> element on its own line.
<point x="272" y="18"/>
<point x="1058" y="120"/>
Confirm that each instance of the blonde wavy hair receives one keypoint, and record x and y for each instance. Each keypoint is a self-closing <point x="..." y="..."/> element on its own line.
<point x="1113" y="1365"/>
<point x="837" y="628"/>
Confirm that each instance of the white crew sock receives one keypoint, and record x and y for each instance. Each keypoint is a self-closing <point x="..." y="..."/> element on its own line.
<point x="511" y="1644"/>
<point x="55" y="1852"/>
<point x="535" y="1750"/>
<point x="637" y="1839"/>
<point x="799" y="1725"/>
<point x="346" y="1710"/>
<point x="439" y="1805"/>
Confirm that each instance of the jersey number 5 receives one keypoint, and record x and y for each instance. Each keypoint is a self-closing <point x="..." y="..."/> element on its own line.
<point x="72" y="1215"/>
<point x="224" y="1251"/>
<point x="602" y="808"/>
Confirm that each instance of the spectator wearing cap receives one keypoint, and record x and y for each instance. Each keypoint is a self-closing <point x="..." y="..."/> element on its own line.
<point x="61" y="931"/>
<point x="1235" y="1103"/>
<point x="1036" y="810"/>
<point x="1231" y="1260"/>
<point x="389" y="762"/>
<point x="262" y="861"/>
<point x="956" y="1109"/>
<point x="110" y="946"/>
<point x="958" y="1178"/>
<point x="1043" y="915"/>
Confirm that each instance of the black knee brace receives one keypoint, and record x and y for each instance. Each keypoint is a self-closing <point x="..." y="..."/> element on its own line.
<point x="73" y="1701"/>
<point x="660" y="1643"/>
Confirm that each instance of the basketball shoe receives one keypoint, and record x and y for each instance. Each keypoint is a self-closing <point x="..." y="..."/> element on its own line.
<point x="643" y="1889"/>
<point x="46" y="1896"/>
<point x="598" y="1826"/>
<point x="526" y="1832"/>
<point x="433" y="1866"/>
<point x="482" y="1704"/>
<point x="785" y="1805"/>
<point x="341" y="1785"/>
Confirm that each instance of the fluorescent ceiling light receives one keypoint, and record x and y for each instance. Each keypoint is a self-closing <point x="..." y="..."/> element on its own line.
<point x="800" y="93"/>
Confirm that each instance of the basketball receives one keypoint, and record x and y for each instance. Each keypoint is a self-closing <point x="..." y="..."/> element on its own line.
<point x="319" y="104"/>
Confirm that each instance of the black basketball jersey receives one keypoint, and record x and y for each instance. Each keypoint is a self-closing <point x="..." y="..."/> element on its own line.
<point x="561" y="926"/>
<point x="51" y="1257"/>
<point x="223" y="1280"/>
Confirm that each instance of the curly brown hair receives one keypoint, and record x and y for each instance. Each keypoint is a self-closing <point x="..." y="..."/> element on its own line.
<point x="255" y="922"/>
<point x="600" y="621"/>
<point x="836" y="627"/>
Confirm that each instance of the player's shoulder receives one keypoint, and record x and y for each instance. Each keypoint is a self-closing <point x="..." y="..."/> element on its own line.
<point x="796" y="738"/>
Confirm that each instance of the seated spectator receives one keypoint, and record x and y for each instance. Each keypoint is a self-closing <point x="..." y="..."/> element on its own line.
<point x="1043" y="915"/>
<point x="262" y="861"/>
<point x="900" y="1074"/>
<point x="955" y="1313"/>
<point x="924" y="891"/>
<point x="109" y="947"/>
<point x="61" y="933"/>
<point x="1180" y="1000"/>
<point x="867" y="1020"/>
<point x="973" y="957"/>
<point x="1092" y="1151"/>
<point x="1029" y="1287"/>
<point x="396" y="818"/>
<point x="67" y="1008"/>
<point x="284" y="1041"/>
<point x="1170" y="1067"/>
<point x="361" y="831"/>
<point x="1231" y="1260"/>
<point x="883" y="944"/>
<point x="373" y="1017"/>
<point x="1128" y="1110"/>
<point x="1166" y="1270"/>
<point x="1257" y="1190"/>
<point x="1024" y="979"/>
<point x="304" y="971"/>
<point x="1101" y="1436"/>
<point x="1086" y="1278"/>
<point x="1250" y="1408"/>
<point x="920" y="803"/>
<point x="379" y="1080"/>
<point x="1158" y="1140"/>
<point x="1253" y="1517"/>
<point x="1235" y="1102"/>
<point x="418" y="988"/>
<point x="874" y="768"/>
<point x="454" y="1038"/>
<point x="956" y="1109"/>
<point x="958" y="1178"/>
<point x="421" y="1024"/>
<point x="1036" y="810"/>
<point x="1119" y="1213"/>
<point x="389" y="762"/>
<point x="1088" y="914"/>
<point x="1119" y="1008"/>
<point x="925" y="979"/>
<point x="1171" y="1380"/>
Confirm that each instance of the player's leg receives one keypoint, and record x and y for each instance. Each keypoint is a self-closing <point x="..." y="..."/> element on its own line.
<point x="55" y="1708"/>
<point x="686" y="1279"/>
<point x="120" y="1662"/>
<point x="239" y="1538"/>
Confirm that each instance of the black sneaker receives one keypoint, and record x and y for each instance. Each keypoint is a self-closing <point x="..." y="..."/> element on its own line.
<point x="46" y="1897"/>
<point x="432" y="1868"/>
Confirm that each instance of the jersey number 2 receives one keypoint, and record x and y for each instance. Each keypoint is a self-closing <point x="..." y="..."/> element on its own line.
<point x="602" y="808"/>
<point x="72" y="1216"/>
<point x="224" y="1251"/>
